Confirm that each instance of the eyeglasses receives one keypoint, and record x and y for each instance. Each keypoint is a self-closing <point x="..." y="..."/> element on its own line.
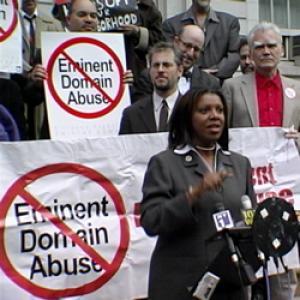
<point x="190" y="46"/>
<point x="259" y="45"/>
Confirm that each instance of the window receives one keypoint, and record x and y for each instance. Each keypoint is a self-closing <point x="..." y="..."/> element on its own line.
<point x="284" y="13"/>
<point x="295" y="8"/>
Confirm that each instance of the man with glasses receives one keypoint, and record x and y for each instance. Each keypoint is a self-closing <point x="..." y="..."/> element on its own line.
<point x="189" y="42"/>
<point x="266" y="98"/>
<point x="151" y="113"/>
<point x="220" y="51"/>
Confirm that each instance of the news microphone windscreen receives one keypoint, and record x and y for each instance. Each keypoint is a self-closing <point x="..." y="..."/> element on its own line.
<point x="246" y="202"/>
<point x="247" y="211"/>
<point x="275" y="227"/>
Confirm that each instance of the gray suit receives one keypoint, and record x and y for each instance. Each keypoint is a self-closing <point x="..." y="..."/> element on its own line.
<point x="186" y="245"/>
<point x="35" y="113"/>
<point x="241" y="97"/>
<point x="43" y="23"/>
<point x="221" y="48"/>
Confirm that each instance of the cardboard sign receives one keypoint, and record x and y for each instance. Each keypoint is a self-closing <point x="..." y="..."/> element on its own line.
<point x="10" y="36"/>
<point x="113" y="14"/>
<point x="84" y="91"/>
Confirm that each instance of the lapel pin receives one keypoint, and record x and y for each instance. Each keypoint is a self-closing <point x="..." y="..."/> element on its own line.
<point x="290" y="93"/>
<point x="188" y="158"/>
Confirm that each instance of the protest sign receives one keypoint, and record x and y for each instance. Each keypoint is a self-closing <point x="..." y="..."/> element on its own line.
<point x="68" y="214"/>
<point x="84" y="91"/>
<point x="10" y="36"/>
<point x="113" y="14"/>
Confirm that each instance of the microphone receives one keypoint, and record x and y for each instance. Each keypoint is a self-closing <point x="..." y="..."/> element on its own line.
<point x="248" y="215"/>
<point x="247" y="210"/>
<point x="275" y="227"/>
<point x="223" y="220"/>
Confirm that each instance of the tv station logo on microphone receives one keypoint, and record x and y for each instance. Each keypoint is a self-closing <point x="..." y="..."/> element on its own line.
<point x="223" y="220"/>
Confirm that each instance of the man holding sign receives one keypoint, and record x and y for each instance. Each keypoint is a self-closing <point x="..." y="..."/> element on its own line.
<point x="141" y="23"/>
<point x="82" y="17"/>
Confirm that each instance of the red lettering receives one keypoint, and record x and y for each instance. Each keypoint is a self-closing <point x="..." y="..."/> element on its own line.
<point x="286" y="194"/>
<point x="262" y="175"/>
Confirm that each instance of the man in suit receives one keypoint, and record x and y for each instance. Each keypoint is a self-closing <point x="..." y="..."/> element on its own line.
<point x="151" y="113"/>
<point x="189" y="41"/>
<point x="82" y="17"/>
<point x="220" y="52"/>
<point x="33" y="23"/>
<point x="265" y="98"/>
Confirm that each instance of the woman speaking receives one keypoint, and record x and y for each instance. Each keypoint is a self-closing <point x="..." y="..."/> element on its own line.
<point x="183" y="187"/>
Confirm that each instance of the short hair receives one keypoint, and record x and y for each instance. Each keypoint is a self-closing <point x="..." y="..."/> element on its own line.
<point x="243" y="41"/>
<point x="181" y="127"/>
<point x="264" y="26"/>
<point x="164" y="46"/>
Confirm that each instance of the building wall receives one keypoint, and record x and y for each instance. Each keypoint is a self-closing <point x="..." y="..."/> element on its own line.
<point x="246" y="10"/>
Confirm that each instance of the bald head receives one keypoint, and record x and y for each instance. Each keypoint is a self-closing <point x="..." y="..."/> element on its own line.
<point x="190" y="41"/>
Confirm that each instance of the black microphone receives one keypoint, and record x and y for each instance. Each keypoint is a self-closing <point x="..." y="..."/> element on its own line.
<point x="223" y="220"/>
<point x="275" y="227"/>
<point x="247" y="210"/>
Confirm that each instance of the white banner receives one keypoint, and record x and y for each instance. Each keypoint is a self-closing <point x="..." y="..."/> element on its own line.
<point x="85" y="93"/>
<point x="75" y="202"/>
<point x="275" y="161"/>
<point x="10" y="37"/>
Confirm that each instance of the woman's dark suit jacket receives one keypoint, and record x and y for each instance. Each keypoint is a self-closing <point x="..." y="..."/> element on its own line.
<point x="186" y="243"/>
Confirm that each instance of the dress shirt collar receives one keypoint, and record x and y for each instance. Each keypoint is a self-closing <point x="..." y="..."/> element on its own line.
<point x="212" y="16"/>
<point x="261" y="81"/>
<point x="189" y="16"/>
<point x="188" y="148"/>
<point x="171" y="100"/>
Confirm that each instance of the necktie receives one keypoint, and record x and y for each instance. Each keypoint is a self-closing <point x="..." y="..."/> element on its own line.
<point x="187" y="75"/>
<point x="31" y="38"/>
<point x="163" y="116"/>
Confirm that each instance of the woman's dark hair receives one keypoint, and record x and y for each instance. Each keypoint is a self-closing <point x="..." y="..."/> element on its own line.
<point x="181" y="128"/>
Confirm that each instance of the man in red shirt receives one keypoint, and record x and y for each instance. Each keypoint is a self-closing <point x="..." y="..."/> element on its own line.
<point x="266" y="98"/>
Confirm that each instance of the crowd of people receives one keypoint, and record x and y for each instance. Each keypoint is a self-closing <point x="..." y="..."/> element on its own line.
<point x="181" y="78"/>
